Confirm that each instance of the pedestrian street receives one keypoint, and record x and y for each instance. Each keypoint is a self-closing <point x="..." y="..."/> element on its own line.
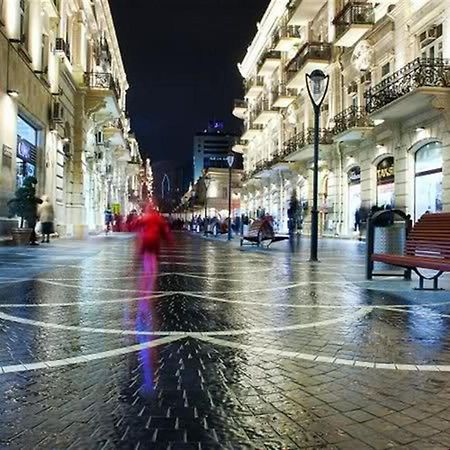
<point x="223" y="348"/>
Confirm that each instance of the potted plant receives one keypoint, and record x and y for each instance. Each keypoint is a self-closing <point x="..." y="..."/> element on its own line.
<point x="24" y="206"/>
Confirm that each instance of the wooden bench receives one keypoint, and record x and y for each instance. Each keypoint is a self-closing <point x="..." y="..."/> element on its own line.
<point x="261" y="231"/>
<point x="427" y="247"/>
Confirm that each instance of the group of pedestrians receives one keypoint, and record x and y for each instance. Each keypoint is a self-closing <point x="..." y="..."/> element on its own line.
<point x="116" y="222"/>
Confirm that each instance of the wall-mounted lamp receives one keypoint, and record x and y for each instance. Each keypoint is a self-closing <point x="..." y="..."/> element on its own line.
<point x="380" y="146"/>
<point x="420" y="129"/>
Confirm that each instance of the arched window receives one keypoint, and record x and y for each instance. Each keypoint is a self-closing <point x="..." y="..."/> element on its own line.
<point x="428" y="179"/>
<point x="386" y="182"/>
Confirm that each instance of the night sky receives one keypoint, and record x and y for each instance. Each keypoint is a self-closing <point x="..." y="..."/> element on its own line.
<point x="181" y="60"/>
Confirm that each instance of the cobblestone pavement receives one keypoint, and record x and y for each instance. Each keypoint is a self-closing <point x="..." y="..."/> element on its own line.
<point x="231" y="349"/>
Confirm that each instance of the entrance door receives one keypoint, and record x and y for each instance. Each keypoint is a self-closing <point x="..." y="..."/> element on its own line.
<point x="354" y="203"/>
<point x="428" y="179"/>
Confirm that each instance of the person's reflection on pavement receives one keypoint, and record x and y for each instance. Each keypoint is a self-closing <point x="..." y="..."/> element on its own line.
<point x="152" y="230"/>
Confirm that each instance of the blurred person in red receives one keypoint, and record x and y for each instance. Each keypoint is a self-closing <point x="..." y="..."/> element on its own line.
<point x="152" y="230"/>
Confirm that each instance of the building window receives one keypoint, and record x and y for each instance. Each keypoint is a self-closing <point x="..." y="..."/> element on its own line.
<point x="385" y="70"/>
<point x="386" y="183"/>
<point x="430" y="43"/>
<point x="428" y="179"/>
<point x="26" y="156"/>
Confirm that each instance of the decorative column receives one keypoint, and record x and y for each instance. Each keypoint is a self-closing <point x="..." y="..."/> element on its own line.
<point x="77" y="200"/>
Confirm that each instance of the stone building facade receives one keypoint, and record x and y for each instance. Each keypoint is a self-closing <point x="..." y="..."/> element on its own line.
<point x="62" y="110"/>
<point x="385" y="122"/>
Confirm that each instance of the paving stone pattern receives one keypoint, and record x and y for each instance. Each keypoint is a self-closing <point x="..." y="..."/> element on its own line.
<point x="230" y="349"/>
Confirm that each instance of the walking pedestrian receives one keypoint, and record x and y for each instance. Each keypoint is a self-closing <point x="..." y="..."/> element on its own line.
<point x="46" y="215"/>
<point x="152" y="231"/>
<point x="108" y="219"/>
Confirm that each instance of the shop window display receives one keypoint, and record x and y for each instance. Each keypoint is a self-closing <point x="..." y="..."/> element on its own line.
<point x="428" y="179"/>
<point x="386" y="183"/>
<point x="27" y="137"/>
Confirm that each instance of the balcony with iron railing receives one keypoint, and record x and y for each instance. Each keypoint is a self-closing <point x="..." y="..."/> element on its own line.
<point x="102" y="93"/>
<point x="351" y="124"/>
<point x="299" y="147"/>
<point x="253" y="87"/>
<point x="312" y="55"/>
<point x="239" y="108"/>
<point x="240" y="146"/>
<point x="286" y="38"/>
<point x="410" y="90"/>
<point x="102" y="81"/>
<point x="261" y="168"/>
<point x="353" y="22"/>
<point x="269" y="61"/>
<point x="253" y="130"/>
<point x="264" y="112"/>
<point x="282" y="97"/>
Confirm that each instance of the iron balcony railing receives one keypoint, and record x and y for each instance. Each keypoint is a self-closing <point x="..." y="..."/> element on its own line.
<point x="261" y="106"/>
<point x="242" y="142"/>
<point x="238" y="103"/>
<point x="310" y="50"/>
<point x="282" y="91"/>
<point x="354" y="13"/>
<point x="117" y="123"/>
<point x="254" y="82"/>
<point x="351" y="117"/>
<point x="100" y="80"/>
<point x="305" y="138"/>
<point x="260" y="166"/>
<point x="134" y="160"/>
<point x="270" y="54"/>
<point x="422" y="72"/>
<point x="286" y="32"/>
<point x="255" y="126"/>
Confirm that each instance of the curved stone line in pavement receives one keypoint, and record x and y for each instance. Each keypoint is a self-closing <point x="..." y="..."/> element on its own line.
<point x="326" y="359"/>
<point x="82" y="303"/>
<point x="165" y="274"/>
<point x="36" y="323"/>
<point x="87" y="358"/>
<point x="240" y="291"/>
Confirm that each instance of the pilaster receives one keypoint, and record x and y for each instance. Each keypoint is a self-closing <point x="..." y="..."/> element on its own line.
<point x="77" y="200"/>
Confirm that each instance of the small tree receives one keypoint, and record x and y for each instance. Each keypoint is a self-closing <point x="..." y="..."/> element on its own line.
<point x="25" y="202"/>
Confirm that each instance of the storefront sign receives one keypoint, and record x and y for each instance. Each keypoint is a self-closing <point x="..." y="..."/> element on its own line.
<point x="385" y="171"/>
<point x="354" y="175"/>
<point x="116" y="208"/>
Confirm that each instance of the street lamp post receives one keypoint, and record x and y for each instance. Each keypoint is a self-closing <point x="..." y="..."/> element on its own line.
<point x="230" y="161"/>
<point x="317" y="83"/>
<point x="207" y="182"/>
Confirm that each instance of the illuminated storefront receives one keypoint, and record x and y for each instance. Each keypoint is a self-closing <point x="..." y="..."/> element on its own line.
<point x="386" y="182"/>
<point x="428" y="179"/>
<point x="26" y="157"/>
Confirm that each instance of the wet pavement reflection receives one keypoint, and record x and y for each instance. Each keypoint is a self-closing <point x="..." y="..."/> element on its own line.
<point x="214" y="347"/>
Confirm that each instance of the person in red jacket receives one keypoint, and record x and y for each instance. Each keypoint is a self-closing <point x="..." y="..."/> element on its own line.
<point x="152" y="231"/>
